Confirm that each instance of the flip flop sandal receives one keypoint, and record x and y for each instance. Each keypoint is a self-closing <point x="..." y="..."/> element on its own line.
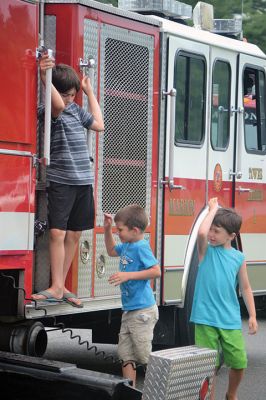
<point x="67" y="296"/>
<point x="48" y="297"/>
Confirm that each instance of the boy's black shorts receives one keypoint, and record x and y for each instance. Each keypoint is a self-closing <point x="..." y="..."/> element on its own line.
<point x="70" y="207"/>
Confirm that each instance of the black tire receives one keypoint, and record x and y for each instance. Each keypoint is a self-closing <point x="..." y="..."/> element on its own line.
<point x="186" y="328"/>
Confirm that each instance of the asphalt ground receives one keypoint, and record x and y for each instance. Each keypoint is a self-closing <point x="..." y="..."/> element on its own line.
<point x="253" y="387"/>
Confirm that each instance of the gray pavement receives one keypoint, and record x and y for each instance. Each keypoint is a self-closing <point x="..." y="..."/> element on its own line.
<point x="253" y="387"/>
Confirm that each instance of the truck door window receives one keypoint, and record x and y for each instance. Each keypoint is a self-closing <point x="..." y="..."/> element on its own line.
<point x="254" y="110"/>
<point x="220" y="111"/>
<point x="189" y="82"/>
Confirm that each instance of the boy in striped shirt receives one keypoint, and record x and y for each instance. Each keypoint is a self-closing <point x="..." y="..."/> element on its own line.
<point x="69" y="175"/>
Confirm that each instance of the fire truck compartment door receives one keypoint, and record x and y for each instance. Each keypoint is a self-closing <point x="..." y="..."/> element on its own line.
<point x="185" y="150"/>
<point x="18" y="70"/>
<point x="16" y="220"/>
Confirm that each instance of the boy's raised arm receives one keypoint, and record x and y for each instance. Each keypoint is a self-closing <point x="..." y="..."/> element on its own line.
<point x="108" y="236"/>
<point x="204" y="228"/>
<point x="94" y="108"/>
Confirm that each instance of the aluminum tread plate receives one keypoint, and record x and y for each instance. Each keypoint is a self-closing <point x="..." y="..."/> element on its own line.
<point x="177" y="374"/>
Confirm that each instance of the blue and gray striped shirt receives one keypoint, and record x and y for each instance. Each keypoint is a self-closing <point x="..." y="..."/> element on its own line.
<point x="69" y="156"/>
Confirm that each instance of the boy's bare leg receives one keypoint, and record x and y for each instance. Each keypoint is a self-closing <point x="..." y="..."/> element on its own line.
<point x="57" y="256"/>
<point x="129" y="371"/>
<point x="71" y="242"/>
<point x="235" y="377"/>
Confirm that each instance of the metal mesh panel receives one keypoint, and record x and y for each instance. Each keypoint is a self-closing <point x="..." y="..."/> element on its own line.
<point x="125" y="150"/>
<point x="124" y="166"/>
<point x="91" y="49"/>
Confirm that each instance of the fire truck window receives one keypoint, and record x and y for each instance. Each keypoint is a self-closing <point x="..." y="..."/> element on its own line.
<point x="189" y="82"/>
<point x="254" y="106"/>
<point x="220" y="111"/>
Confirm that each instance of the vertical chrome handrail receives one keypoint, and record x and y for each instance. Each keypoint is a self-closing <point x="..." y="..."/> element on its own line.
<point x="170" y="182"/>
<point x="90" y="65"/>
<point x="47" y="115"/>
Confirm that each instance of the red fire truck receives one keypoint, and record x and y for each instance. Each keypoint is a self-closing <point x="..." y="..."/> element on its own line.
<point x="178" y="130"/>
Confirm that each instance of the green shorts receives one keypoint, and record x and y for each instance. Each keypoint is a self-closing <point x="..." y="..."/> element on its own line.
<point x="230" y="341"/>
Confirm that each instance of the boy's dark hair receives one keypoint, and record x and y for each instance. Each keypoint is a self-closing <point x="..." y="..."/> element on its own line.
<point x="133" y="216"/>
<point x="228" y="219"/>
<point x="65" y="78"/>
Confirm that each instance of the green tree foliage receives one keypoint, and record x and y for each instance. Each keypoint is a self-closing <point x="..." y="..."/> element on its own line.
<point x="254" y="16"/>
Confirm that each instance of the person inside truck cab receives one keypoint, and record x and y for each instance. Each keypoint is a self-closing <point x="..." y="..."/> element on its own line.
<point x="249" y="87"/>
<point x="69" y="175"/>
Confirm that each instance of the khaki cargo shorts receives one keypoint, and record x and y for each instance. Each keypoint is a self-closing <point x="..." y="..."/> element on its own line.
<point x="136" y="334"/>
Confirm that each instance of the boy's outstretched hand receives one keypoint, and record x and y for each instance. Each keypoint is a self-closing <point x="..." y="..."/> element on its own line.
<point x="108" y="220"/>
<point x="86" y="84"/>
<point x="118" y="278"/>
<point x="213" y="203"/>
<point x="252" y="326"/>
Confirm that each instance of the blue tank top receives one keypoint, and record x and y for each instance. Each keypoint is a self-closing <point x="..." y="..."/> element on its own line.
<point x="215" y="300"/>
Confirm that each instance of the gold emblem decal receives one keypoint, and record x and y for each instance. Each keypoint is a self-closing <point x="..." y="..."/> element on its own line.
<point x="255" y="195"/>
<point x="181" y="207"/>
<point x="255" y="173"/>
<point x="217" y="178"/>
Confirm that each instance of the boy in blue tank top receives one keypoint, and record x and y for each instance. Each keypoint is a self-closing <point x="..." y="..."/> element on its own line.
<point x="216" y="309"/>
<point x="137" y="266"/>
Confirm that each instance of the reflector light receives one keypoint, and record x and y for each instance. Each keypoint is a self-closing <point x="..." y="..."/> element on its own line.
<point x="169" y="8"/>
<point x="203" y="16"/>
<point x="204" y="389"/>
<point x="227" y="25"/>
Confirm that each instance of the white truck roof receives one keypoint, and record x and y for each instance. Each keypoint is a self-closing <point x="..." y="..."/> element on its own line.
<point x="173" y="28"/>
<point x="206" y="37"/>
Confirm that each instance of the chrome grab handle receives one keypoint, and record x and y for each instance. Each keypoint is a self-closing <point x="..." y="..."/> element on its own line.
<point x="232" y="109"/>
<point x="239" y="110"/>
<point x="87" y="64"/>
<point x="172" y="186"/>
<point x="242" y="190"/>
<point x="222" y="109"/>
<point x="90" y="64"/>
<point x="237" y="174"/>
<point x="170" y="181"/>
<point x="47" y="113"/>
